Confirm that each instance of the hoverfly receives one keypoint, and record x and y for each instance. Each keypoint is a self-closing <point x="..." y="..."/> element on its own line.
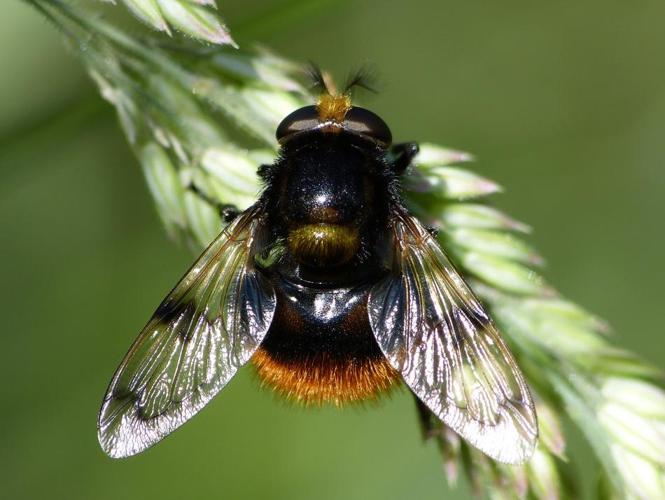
<point x="334" y="292"/>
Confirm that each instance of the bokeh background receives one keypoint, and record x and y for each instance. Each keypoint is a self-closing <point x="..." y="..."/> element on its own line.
<point x="563" y="103"/>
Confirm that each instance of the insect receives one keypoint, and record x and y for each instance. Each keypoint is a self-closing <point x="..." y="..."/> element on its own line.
<point x="334" y="292"/>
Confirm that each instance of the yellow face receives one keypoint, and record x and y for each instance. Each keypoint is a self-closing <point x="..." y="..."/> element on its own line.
<point x="333" y="107"/>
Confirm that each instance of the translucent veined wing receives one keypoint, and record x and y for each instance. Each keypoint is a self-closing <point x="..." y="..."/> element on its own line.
<point x="207" y="327"/>
<point x="432" y="329"/>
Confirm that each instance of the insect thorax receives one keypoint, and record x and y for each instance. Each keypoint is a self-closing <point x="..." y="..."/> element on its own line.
<point x="329" y="194"/>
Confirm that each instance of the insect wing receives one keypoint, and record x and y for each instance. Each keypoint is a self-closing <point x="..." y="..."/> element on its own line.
<point x="432" y="329"/>
<point x="207" y="327"/>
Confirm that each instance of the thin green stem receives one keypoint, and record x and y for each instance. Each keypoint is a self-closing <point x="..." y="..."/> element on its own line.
<point x="42" y="7"/>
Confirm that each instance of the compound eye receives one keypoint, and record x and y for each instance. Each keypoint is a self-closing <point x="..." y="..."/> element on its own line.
<point x="302" y="119"/>
<point x="362" y="121"/>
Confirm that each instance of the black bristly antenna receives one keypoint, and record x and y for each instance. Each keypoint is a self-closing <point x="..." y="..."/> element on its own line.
<point x="321" y="81"/>
<point x="364" y="78"/>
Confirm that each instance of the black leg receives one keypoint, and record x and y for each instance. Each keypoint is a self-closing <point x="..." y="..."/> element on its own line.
<point x="404" y="154"/>
<point x="226" y="212"/>
<point x="429" y="424"/>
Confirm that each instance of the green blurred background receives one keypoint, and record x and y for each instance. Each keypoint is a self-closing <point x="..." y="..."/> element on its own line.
<point x="562" y="102"/>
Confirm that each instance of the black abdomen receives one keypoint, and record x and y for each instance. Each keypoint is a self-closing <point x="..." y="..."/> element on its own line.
<point x="309" y="321"/>
<point x="320" y="347"/>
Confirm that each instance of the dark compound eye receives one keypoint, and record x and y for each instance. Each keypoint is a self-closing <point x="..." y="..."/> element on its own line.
<point x="363" y="122"/>
<point x="358" y="121"/>
<point x="302" y="119"/>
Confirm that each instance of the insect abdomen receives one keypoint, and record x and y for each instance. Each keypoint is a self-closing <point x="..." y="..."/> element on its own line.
<point x="320" y="347"/>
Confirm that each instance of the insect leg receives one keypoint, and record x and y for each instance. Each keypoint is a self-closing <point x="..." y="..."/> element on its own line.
<point x="404" y="154"/>
<point x="226" y="211"/>
<point x="430" y="426"/>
